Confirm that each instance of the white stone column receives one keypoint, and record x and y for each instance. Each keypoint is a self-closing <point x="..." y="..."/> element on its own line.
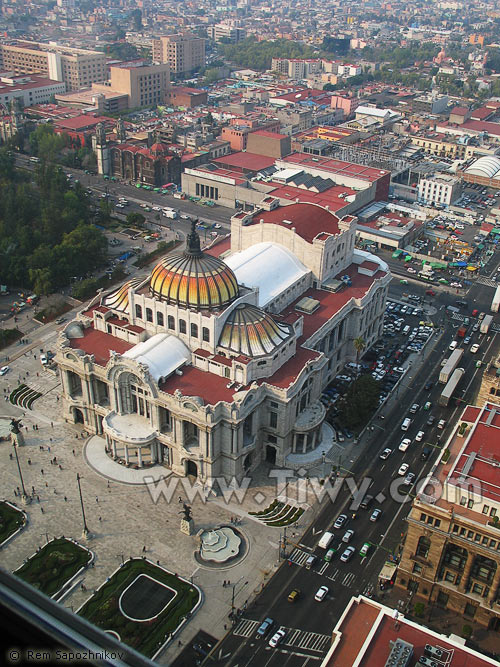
<point x="211" y="443"/>
<point x="234" y="439"/>
<point x="126" y="454"/>
<point x="294" y="443"/>
<point x="304" y="446"/>
<point x="154" y="451"/>
<point x="113" y="444"/>
<point x="139" y="456"/>
<point x="207" y="443"/>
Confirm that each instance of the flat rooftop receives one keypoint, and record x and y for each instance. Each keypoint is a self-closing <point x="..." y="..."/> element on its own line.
<point x="349" y="169"/>
<point x="367" y="631"/>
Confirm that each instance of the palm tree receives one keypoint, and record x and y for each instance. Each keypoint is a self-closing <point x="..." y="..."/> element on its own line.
<point x="359" y="346"/>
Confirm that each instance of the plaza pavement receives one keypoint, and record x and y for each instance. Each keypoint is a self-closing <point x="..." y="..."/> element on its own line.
<point x="120" y="513"/>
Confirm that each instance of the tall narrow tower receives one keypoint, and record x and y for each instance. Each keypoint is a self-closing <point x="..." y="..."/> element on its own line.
<point x="101" y="150"/>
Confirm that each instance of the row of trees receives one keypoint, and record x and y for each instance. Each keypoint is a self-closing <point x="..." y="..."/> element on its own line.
<point x="47" y="235"/>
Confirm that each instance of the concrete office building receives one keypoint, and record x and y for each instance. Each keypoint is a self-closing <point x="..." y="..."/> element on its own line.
<point x="451" y="555"/>
<point x="439" y="189"/>
<point x="184" y="53"/>
<point x="78" y="68"/>
<point x="145" y="85"/>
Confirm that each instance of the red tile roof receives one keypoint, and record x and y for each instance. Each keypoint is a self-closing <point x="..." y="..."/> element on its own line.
<point x="332" y="302"/>
<point x="482" y="126"/>
<point x="247" y="161"/>
<point x="100" y="344"/>
<point x="195" y="382"/>
<point x="219" y="247"/>
<point x="367" y="632"/>
<point x="288" y="373"/>
<point x="359" y="171"/>
<point x="308" y="220"/>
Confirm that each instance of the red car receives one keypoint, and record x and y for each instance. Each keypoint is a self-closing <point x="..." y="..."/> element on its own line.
<point x="430" y="292"/>
<point x="475" y="312"/>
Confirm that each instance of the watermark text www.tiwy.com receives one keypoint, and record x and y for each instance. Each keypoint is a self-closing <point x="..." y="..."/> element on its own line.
<point x="300" y="489"/>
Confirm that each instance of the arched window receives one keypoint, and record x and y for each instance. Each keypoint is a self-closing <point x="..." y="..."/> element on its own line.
<point x="171" y="322"/>
<point x="182" y="326"/>
<point x="159" y="319"/>
<point x="194" y="330"/>
<point x="138" y="311"/>
<point x="149" y="315"/>
<point x="423" y="546"/>
<point x="206" y="334"/>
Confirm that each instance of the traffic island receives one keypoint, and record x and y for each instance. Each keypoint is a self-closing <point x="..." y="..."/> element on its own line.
<point x="53" y="567"/>
<point x="143" y="604"/>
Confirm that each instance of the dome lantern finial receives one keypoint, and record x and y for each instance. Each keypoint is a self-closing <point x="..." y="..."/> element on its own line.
<point x="193" y="240"/>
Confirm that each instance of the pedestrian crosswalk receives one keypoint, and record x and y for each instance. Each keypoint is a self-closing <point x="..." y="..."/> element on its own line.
<point x="295" y="638"/>
<point x="245" y="628"/>
<point x="312" y="641"/>
<point x="483" y="280"/>
<point x="299" y="557"/>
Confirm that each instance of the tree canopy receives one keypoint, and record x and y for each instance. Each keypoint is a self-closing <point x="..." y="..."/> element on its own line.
<point x="46" y="230"/>
<point x="360" y="401"/>
<point x="258" y="55"/>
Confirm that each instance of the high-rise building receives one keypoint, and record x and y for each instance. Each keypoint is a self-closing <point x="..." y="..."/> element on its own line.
<point x="78" y="68"/>
<point x="184" y="53"/>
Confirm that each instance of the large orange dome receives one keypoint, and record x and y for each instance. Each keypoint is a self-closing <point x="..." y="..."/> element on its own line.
<point x="194" y="279"/>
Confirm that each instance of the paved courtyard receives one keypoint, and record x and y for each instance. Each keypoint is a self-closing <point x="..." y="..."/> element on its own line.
<point x="120" y="512"/>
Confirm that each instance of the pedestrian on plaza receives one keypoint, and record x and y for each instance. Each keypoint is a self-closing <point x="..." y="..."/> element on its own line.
<point x="96" y="499"/>
<point x="100" y="518"/>
<point x="73" y="452"/>
<point x="33" y="489"/>
<point x="55" y="491"/>
<point x="108" y="483"/>
<point x="52" y="424"/>
<point x="15" y="493"/>
<point x="10" y="457"/>
<point x="144" y="549"/>
<point x="38" y="499"/>
<point x="48" y="448"/>
<point x="29" y="462"/>
<point x="60" y="467"/>
<point x="46" y="484"/>
<point x="42" y="471"/>
<point x="65" y="499"/>
<point x="180" y="499"/>
<point x="42" y="510"/>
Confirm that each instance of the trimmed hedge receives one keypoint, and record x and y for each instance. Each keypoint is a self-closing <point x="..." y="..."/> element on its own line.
<point x="11" y="520"/>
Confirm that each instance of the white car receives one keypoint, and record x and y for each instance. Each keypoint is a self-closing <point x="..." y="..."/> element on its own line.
<point x="385" y="454"/>
<point x="340" y="521"/>
<point x="404" y="445"/>
<point x="156" y="208"/>
<point x="348" y="535"/>
<point x="419" y="436"/>
<point x="403" y="468"/>
<point x="277" y="638"/>
<point x="43" y="360"/>
<point x="347" y="555"/>
<point x="217" y="226"/>
<point x="474" y="348"/>
<point x="375" y="514"/>
<point x="322" y="592"/>
<point x="4" y="369"/>
<point x="409" y="479"/>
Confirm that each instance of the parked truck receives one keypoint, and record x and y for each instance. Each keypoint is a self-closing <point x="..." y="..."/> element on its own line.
<point x="461" y="331"/>
<point x="486" y="323"/>
<point x="450" y="387"/>
<point x="450" y="365"/>
<point x="495" y="304"/>
<point x="170" y="213"/>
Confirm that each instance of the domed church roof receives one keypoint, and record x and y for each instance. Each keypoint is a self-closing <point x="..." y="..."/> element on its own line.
<point x="251" y="331"/>
<point x="194" y="279"/>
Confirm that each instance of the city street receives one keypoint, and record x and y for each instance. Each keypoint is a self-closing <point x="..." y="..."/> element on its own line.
<point x="308" y="623"/>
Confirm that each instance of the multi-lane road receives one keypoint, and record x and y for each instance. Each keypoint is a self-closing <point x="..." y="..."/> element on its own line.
<point x="308" y="624"/>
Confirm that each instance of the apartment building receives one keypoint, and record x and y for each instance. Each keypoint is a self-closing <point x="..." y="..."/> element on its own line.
<point x="77" y="68"/>
<point x="439" y="189"/>
<point x="184" y="53"/>
<point x="451" y="555"/>
<point x="228" y="31"/>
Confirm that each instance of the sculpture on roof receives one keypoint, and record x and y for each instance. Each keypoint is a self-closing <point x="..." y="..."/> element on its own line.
<point x="100" y="134"/>
<point x="121" y="134"/>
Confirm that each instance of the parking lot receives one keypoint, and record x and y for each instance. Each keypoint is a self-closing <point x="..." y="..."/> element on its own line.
<point x="406" y="331"/>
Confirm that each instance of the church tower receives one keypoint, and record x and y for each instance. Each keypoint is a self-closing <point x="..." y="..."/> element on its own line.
<point x="101" y="150"/>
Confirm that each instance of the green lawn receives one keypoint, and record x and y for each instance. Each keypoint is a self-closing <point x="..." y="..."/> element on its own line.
<point x="51" y="567"/>
<point x="103" y="610"/>
<point x="10" y="520"/>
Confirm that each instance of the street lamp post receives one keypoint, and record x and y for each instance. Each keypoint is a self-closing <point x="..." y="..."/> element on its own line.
<point x="25" y="498"/>
<point x="86" y="532"/>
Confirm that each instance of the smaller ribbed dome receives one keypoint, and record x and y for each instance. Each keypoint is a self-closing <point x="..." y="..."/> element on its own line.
<point x="250" y="331"/>
<point x="118" y="299"/>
